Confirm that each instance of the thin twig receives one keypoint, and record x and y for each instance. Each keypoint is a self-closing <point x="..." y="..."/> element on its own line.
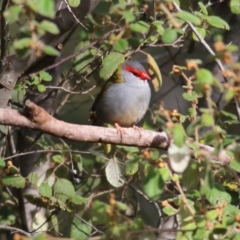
<point x="79" y="52"/>
<point x="185" y="200"/>
<point x="14" y="229"/>
<point x="45" y="151"/>
<point x="70" y="10"/>
<point x="89" y="224"/>
<point x="150" y="201"/>
<point x="71" y="92"/>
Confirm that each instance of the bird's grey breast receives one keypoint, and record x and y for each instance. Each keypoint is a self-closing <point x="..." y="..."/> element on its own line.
<point x="124" y="103"/>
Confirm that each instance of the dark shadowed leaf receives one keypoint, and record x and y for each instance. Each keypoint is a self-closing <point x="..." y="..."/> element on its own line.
<point x="115" y="173"/>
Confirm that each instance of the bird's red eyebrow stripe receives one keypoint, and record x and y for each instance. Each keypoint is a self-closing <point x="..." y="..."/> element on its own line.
<point x="142" y="74"/>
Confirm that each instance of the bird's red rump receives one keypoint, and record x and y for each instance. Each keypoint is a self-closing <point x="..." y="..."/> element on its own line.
<point x="141" y="74"/>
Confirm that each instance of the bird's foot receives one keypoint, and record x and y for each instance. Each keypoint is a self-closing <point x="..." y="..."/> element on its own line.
<point x="118" y="128"/>
<point x="139" y="129"/>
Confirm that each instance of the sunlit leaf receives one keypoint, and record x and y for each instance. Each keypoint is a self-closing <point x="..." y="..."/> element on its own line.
<point x="203" y="8"/>
<point x="179" y="157"/>
<point x="140" y="26"/>
<point x="115" y="173"/>
<point x="189" y="17"/>
<point x="74" y="3"/>
<point x="235" y="6"/>
<point x="217" y="22"/>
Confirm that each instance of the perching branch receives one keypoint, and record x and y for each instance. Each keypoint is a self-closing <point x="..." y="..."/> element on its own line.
<point x="36" y="118"/>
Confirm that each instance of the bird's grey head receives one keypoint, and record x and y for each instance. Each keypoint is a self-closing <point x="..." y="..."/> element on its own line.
<point x="134" y="71"/>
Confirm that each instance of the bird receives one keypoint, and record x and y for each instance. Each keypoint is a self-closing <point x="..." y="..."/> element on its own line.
<point x="124" y="99"/>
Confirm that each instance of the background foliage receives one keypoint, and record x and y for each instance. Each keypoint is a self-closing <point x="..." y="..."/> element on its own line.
<point x="184" y="193"/>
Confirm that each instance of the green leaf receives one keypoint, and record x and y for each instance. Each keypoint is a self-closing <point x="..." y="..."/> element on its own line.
<point x="203" y="77"/>
<point x="79" y="229"/>
<point x="128" y="16"/>
<point x="169" y="36"/>
<point x="99" y="208"/>
<point x="22" y="43"/>
<point x="203" y="8"/>
<point x="78" y="200"/>
<point x="2" y="163"/>
<point x="50" y="51"/>
<point x="235" y="6"/>
<point x="45" y="190"/>
<point x="131" y="168"/>
<point x="191" y="172"/>
<point x="153" y="183"/>
<point x="179" y="157"/>
<point x="12" y="14"/>
<point x="235" y="165"/>
<point x="229" y="94"/>
<point x="121" y="45"/>
<point x="45" y="76"/>
<point x="54" y="223"/>
<point x="115" y="173"/>
<point x="58" y="158"/>
<point x="35" y="80"/>
<point x="217" y="22"/>
<point x="212" y="214"/>
<point x="169" y="210"/>
<point x="179" y="135"/>
<point x="43" y="7"/>
<point x="74" y="3"/>
<point x="189" y="97"/>
<point x="207" y="120"/>
<point x="63" y="189"/>
<point x="49" y="27"/>
<point x="14" y="181"/>
<point x="33" y="178"/>
<point x="140" y="26"/>
<point x="165" y="174"/>
<point x="41" y="88"/>
<point x="110" y="64"/>
<point x="202" y="33"/>
<point x="82" y="60"/>
<point x="159" y="27"/>
<point x="189" y="17"/>
<point x="216" y="195"/>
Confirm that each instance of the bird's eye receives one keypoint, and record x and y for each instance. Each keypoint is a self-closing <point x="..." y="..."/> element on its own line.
<point x="135" y="74"/>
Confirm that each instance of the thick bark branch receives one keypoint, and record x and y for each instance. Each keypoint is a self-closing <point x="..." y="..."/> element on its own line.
<point x="37" y="118"/>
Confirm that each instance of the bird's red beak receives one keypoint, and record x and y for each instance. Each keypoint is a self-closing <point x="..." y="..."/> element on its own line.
<point x="141" y="74"/>
<point x="144" y="76"/>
